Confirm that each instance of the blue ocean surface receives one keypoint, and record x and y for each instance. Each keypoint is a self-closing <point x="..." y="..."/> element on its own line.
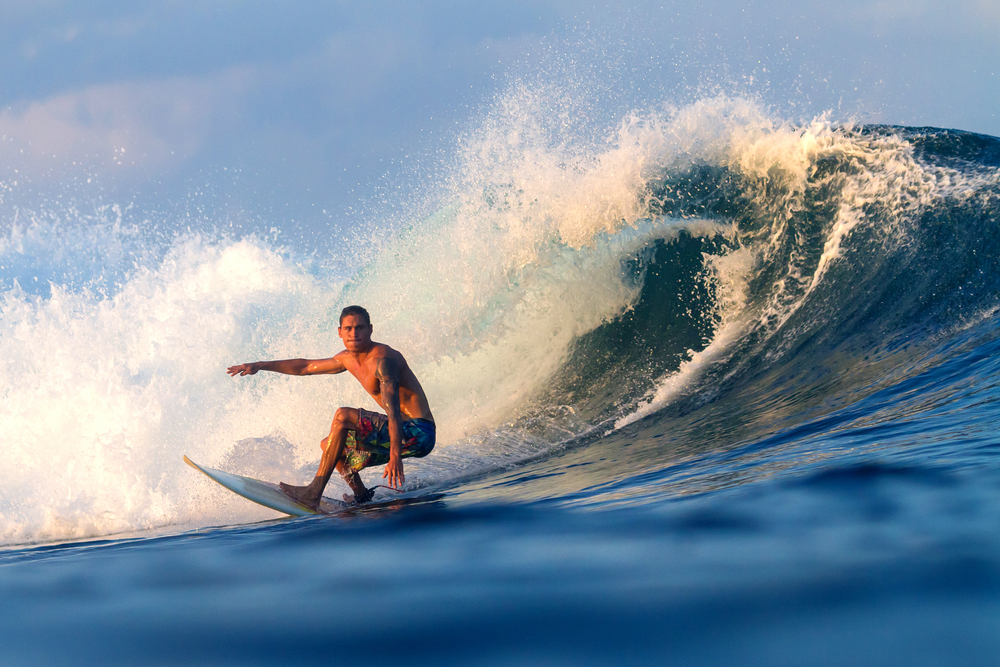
<point x="713" y="388"/>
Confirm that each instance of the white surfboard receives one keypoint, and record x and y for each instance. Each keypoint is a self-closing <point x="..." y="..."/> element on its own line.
<point x="264" y="493"/>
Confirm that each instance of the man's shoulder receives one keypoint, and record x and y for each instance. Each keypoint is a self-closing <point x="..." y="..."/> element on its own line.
<point x="388" y="362"/>
<point x="344" y="358"/>
<point x="382" y="351"/>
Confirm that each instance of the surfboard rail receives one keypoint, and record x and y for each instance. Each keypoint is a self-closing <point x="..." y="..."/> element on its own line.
<point x="263" y="493"/>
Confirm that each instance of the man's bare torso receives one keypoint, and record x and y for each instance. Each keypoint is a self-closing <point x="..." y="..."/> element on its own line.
<point x="364" y="365"/>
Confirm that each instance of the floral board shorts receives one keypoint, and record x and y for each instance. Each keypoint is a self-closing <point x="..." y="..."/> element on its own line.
<point x="368" y="445"/>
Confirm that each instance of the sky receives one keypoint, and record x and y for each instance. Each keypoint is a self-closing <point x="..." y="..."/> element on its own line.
<point x="299" y="115"/>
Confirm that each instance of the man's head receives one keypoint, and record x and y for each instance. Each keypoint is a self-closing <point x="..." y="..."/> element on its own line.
<point x="354" y="310"/>
<point x="355" y="329"/>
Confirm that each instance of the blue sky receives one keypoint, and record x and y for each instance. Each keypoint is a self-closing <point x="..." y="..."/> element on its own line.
<point x="294" y="112"/>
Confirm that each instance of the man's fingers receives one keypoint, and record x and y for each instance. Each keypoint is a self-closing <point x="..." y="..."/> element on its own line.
<point x="395" y="476"/>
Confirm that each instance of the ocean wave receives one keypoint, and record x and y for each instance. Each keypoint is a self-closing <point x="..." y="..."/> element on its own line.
<point x="569" y="282"/>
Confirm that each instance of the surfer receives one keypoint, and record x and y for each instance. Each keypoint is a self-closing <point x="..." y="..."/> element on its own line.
<point x="360" y="438"/>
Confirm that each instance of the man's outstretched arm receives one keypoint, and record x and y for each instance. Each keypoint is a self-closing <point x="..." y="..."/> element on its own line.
<point x="290" y="367"/>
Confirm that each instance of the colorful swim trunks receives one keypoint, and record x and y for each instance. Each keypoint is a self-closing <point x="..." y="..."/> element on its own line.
<point x="368" y="445"/>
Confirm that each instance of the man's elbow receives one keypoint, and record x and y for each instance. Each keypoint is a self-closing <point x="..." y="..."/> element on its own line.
<point x="309" y="368"/>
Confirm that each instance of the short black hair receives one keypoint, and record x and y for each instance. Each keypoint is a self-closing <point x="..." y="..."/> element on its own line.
<point x="355" y="310"/>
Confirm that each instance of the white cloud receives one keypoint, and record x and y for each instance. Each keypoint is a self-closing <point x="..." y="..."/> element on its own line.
<point x="145" y="127"/>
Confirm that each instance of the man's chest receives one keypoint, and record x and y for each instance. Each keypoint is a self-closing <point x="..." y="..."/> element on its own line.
<point x="365" y="374"/>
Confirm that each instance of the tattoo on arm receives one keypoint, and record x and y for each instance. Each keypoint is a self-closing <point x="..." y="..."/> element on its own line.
<point x="387" y="372"/>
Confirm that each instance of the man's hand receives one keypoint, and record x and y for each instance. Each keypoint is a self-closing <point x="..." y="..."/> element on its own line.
<point x="394" y="471"/>
<point x="242" y="369"/>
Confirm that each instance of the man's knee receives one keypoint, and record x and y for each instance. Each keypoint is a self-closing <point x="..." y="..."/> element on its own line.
<point x="345" y="417"/>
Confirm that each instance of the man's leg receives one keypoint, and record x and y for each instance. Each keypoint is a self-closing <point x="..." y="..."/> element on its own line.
<point x="346" y="419"/>
<point x="350" y="476"/>
<point x="353" y="479"/>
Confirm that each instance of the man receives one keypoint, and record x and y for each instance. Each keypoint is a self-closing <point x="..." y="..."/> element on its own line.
<point x="359" y="438"/>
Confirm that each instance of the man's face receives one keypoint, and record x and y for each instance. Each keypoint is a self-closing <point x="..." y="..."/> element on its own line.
<point x="355" y="332"/>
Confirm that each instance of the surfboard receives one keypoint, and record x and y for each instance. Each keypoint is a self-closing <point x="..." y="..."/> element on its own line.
<point x="264" y="493"/>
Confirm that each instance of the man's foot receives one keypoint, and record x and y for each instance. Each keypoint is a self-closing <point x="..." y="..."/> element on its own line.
<point x="303" y="494"/>
<point x="359" y="497"/>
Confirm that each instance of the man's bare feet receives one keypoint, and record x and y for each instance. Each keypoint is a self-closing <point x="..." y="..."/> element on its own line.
<point x="359" y="497"/>
<point x="303" y="494"/>
<point x="361" y="494"/>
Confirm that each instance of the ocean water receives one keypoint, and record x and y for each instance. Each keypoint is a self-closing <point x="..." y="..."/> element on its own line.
<point x="713" y="387"/>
